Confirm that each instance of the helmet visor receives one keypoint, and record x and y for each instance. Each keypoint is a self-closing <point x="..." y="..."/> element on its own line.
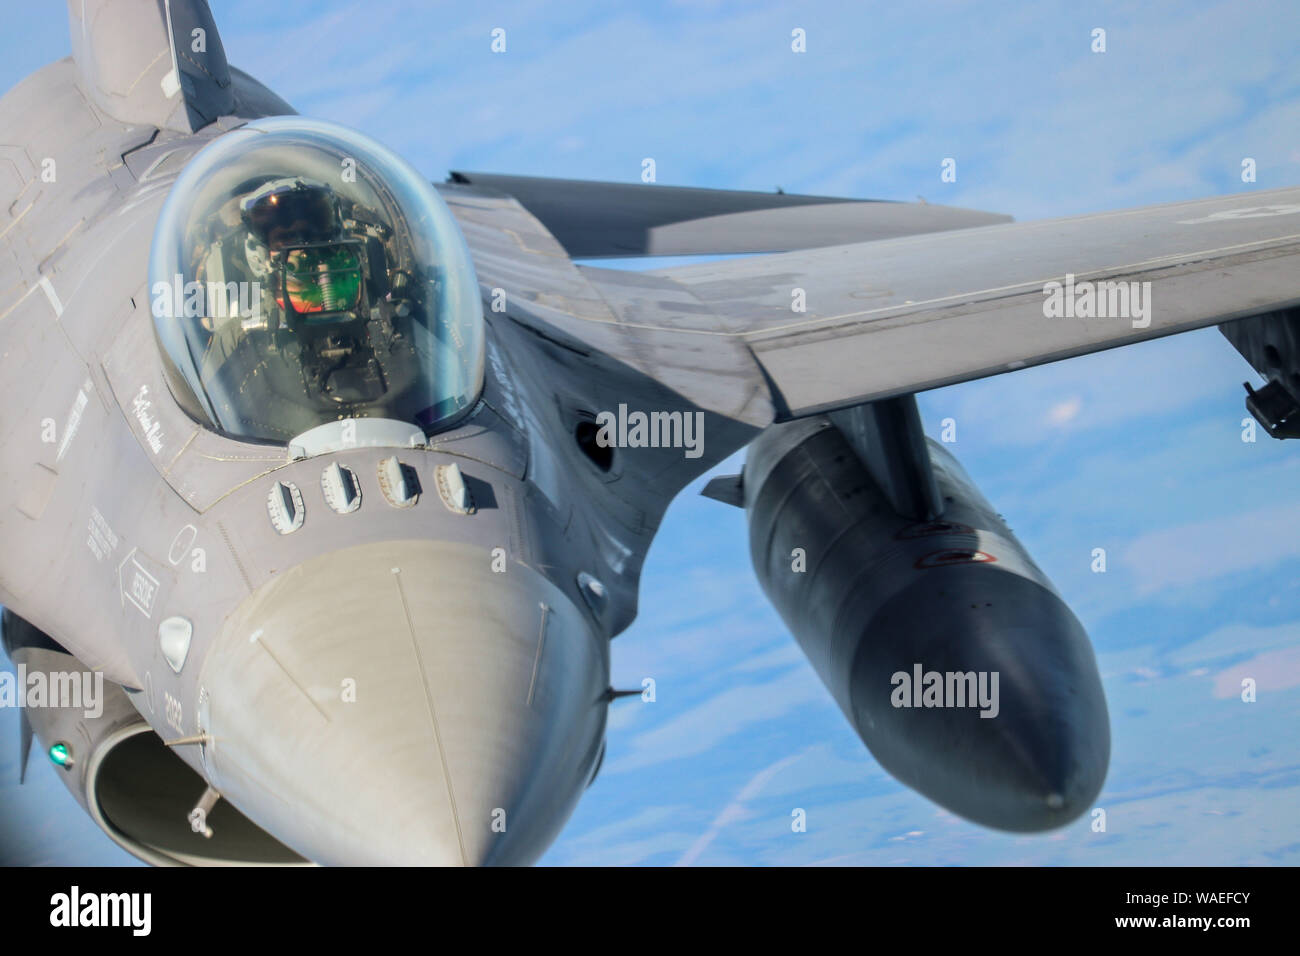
<point x="292" y="214"/>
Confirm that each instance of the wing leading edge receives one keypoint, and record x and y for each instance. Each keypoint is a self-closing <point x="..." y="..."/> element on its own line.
<point x="599" y="219"/>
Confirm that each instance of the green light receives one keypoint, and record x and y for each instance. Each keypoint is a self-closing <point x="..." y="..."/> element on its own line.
<point x="61" y="754"/>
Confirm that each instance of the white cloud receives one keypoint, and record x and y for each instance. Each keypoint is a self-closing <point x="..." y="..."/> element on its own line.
<point x="1235" y="640"/>
<point x="1062" y="413"/>
<point x="1191" y="554"/>
<point x="1271" y="671"/>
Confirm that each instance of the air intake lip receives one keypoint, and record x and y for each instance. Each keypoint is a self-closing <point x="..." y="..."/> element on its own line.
<point x="140" y="792"/>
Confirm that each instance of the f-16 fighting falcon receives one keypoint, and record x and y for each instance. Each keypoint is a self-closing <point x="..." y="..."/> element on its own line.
<point x="339" y="482"/>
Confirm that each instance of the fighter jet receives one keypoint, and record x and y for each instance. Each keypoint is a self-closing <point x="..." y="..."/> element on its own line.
<point x="340" y="481"/>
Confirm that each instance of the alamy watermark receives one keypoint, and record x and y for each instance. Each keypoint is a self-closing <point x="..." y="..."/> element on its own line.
<point x="131" y="911"/>
<point x="1098" y="300"/>
<point x="209" y="300"/>
<point x="626" y="429"/>
<point x="84" y="689"/>
<point x="923" y="688"/>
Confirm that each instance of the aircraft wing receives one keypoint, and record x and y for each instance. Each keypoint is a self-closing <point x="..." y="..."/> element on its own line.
<point x="902" y="315"/>
<point x="593" y="220"/>
<point x="886" y="317"/>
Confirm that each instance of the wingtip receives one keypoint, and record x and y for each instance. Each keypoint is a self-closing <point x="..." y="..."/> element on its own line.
<point x="729" y="489"/>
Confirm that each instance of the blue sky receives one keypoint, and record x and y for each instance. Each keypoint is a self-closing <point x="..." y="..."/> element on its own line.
<point x="1136" y="450"/>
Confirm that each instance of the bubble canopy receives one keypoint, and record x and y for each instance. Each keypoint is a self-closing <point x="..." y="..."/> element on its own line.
<point x="302" y="274"/>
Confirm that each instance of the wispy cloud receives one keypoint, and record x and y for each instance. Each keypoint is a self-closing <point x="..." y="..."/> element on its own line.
<point x="722" y="715"/>
<point x="737" y="809"/>
<point x="1192" y="554"/>
<point x="1271" y="671"/>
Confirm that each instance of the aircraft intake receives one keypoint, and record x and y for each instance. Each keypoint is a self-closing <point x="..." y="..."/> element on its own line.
<point x="137" y="789"/>
<point x="948" y="649"/>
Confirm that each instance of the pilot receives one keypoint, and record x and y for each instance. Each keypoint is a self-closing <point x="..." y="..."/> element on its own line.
<point x="332" y="301"/>
<point x="295" y="239"/>
<point x="287" y="240"/>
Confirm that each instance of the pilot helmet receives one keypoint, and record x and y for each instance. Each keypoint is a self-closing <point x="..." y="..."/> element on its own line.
<point x="295" y="237"/>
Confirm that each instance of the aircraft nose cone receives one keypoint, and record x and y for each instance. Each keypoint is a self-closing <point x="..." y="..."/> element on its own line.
<point x="400" y="703"/>
<point x="1039" y="758"/>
